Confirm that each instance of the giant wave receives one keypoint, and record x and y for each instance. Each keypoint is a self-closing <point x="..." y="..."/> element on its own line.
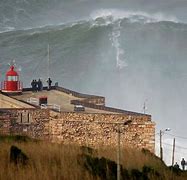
<point x="127" y="58"/>
<point x="112" y="26"/>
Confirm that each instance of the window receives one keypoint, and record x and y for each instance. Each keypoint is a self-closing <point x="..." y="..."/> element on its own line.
<point x="12" y="78"/>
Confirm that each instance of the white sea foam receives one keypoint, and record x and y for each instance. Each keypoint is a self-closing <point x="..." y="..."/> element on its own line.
<point x="138" y="16"/>
<point x="7" y="29"/>
<point x="43" y="28"/>
<point x="113" y="17"/>
<point x="120" y="52"/>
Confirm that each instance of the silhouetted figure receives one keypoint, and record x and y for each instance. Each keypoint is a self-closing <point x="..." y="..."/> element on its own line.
<point x="183" y="163"/>
<point x="176" y="166"/>
<point x="37" y="88"/>
<point x="39" y="85"/>
<point x="56" y="84"/>
<point x="32" y="85"/>
<point x="49" y="82"/>
<point x="35" y="85"/>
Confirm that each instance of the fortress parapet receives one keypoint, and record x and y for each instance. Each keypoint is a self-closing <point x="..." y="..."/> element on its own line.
<point x="95" y="126"/>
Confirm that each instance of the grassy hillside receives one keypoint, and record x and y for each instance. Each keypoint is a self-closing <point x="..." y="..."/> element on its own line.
<point x="55" y="161"/>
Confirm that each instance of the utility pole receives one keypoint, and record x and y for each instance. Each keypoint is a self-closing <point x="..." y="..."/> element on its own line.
<point x="173" y="154"/>
<point x="161" y="150"/>
<point x="173" y="157"/>
<point x="118" y="153"/>
<point x="119" y="149"/>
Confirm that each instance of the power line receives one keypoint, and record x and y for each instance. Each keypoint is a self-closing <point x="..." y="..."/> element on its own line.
<point x="182" y="137"/>
<point x="176" y="136"/>
<point x="172" y="145"/>
<point x="177" y="152"/>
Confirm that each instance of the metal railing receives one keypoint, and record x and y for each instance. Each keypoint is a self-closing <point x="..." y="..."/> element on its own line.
<point x="32" y="100"/>
<point x="35" y="101"/>
<point x="55" y="107"/>
<point x="4" y="85"/>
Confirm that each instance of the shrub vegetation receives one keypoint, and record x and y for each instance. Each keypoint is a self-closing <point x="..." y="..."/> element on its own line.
<point x="71" y="162"/>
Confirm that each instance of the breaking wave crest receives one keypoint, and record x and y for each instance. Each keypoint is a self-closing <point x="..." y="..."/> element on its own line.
<point x="104" y="17"/>
<point x="113" y="14"/>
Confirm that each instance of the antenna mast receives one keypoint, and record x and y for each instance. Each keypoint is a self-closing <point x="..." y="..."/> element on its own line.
<point x="144" y="106"/>
<point x="48" y="62"/>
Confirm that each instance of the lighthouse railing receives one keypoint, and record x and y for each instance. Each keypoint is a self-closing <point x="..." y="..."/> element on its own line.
<point x="3" y="85"/>
<point x="20" y="85"/>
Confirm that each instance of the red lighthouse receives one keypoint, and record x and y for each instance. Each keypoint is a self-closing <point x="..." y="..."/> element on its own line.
<point x="12" y="84"/>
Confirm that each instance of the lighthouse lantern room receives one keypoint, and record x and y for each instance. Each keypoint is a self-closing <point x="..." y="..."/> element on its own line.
<point x="11" y="84"/>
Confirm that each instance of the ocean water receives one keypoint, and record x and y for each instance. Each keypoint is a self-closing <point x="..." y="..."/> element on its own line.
<point x="130" y="57"/>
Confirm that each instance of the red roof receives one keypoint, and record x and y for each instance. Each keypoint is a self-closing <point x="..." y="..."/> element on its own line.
<point x="11" y="72"/>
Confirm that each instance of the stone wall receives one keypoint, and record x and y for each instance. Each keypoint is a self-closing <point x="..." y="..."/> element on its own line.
<point x="101" y="129"/>
<point x="25" y="121"/>
<point x="80" y="128"/>
<point x="4" y="123"/>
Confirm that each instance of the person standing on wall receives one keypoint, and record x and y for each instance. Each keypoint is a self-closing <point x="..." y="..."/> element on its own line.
<point x="176" y="166"/>
<point x="49" y="82"/>
<point x="183" y="163"/>
<point x="40" y="85"/>
<point x="32" y="85"/>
